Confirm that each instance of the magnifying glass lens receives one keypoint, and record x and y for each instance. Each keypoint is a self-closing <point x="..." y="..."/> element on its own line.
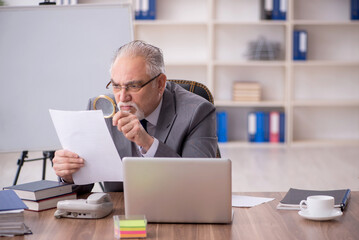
<point x="105" y="104"/>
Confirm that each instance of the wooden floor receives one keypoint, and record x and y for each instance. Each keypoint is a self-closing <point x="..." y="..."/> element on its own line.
<point x="253" y="169"/>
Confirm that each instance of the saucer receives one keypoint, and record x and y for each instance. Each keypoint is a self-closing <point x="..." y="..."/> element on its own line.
<point x="335" y="213"/>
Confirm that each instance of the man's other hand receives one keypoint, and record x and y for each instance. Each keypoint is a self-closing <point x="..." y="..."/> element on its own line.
<point x="65" y="163"/>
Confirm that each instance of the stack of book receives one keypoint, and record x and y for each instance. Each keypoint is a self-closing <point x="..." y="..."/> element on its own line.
<point x="44" y="194"/>
<point x="12" y="214"/>
<point x="246" y="91"/>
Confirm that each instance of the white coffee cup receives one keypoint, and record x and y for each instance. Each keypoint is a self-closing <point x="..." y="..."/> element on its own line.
<point x="319" y="205"/>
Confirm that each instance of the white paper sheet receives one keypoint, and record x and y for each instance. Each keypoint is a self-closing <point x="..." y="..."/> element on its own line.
<point x="247" y="201"/>
<point x="86" y="133"/>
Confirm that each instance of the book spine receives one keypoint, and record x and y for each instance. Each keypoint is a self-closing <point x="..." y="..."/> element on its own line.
<point x="222" y="126"/>
<point x="282" y="127"/>
<point x="252" y="126"/>
<point x="274" y="127"/>
<point x="354" y="9"/>
<point x="260" y="132"/>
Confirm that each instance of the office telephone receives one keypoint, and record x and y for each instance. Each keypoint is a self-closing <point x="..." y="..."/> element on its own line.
<point x="97" y="205"/>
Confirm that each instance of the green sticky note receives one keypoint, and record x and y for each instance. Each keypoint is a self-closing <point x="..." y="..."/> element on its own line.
<point x="133" y="223"/>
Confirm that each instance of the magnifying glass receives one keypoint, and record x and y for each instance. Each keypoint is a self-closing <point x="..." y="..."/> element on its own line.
<point x="106" y="104"/>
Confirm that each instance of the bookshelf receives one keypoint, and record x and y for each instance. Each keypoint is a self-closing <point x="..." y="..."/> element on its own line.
<point x="329" y="99"/>
<point x="206" y="41"/>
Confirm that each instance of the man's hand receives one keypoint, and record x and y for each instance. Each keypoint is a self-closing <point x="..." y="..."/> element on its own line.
<point x="130" y="126"/>
<point x="65" y="163"/>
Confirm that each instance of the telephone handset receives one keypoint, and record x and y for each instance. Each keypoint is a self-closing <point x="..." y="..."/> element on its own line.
<point x="97" y="205"/>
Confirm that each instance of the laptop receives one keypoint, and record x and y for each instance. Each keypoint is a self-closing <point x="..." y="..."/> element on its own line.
<point x="178" y="190"/>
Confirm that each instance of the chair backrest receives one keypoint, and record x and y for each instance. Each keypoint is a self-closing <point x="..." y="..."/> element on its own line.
<point x="195" y="87"/>
<point x="199" y="89"/>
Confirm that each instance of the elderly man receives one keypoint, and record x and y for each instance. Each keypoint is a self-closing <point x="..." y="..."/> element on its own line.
<point x="178" y="123"/>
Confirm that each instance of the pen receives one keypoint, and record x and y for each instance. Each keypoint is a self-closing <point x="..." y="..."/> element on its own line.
<point x="345" y="200"/>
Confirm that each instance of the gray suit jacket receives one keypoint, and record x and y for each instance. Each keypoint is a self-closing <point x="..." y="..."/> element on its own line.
<point x="186" y="128"/>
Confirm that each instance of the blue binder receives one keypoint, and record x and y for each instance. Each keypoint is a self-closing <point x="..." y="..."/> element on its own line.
<point x="354" y="9"/>
<point x="148" y="9"/>
<point x="283" y="9"/>
<point x="282" y="127"/>
<point x="300" y="45"/>
<point x="222" y="126"/>
<point x="261" y="127"/>
<point x="279" y="10"/>
<point x="266" y="127"/>
<point x="137" y="6"/>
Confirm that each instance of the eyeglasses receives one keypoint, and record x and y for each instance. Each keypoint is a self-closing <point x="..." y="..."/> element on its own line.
<point x="131" y="87"/>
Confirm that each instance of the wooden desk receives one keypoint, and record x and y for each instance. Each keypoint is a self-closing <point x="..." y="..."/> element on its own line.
<point x="260" y="222"/>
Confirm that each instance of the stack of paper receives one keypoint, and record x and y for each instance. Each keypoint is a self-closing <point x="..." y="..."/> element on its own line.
<point x="12" y="214"/>
<point x="130" y="227"/>
<point x="246" y="91"/>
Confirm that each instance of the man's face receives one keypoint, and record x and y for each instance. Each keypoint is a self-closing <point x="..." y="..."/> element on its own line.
<point x="128" y="71"/>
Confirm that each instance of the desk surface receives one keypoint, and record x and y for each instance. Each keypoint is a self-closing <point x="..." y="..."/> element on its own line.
<point x="260" y="222"/>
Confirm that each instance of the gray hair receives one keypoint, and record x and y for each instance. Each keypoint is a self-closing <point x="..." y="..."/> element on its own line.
<point x="153" y="56"/>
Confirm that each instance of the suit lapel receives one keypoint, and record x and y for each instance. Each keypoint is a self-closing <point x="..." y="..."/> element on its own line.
<point x="167" y="116"/>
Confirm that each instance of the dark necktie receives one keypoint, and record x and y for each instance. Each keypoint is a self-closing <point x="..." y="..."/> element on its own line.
<point x="144" y="124"/>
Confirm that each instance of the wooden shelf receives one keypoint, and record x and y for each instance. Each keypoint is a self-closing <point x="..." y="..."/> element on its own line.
<point x="324" y="23"/>
<point x="251" y="63"/>
<point x="168" y="23"/>
<point x="250" y="23"/>
<point x="222" y="103"/>
<point x="319" y="63"/>
<point x="326" y="142"/>
<point x="238" y="144"/>
<point x="186" y="63"/>
<point x="326" y="103"/>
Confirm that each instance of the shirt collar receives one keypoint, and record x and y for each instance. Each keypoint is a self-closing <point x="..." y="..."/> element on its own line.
<point x="153" y="117"/>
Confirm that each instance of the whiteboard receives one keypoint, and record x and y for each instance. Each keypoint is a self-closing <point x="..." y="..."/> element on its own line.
<point x="54" y="57"/>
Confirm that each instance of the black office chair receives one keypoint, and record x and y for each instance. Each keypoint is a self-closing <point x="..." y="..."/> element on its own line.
<point x="199" y="89"/>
